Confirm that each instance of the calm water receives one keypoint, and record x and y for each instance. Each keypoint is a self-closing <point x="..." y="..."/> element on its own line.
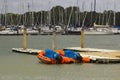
<point x="15" y="66"/>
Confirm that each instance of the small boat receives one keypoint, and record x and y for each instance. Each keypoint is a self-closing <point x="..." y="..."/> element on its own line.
<point x="8" y="31"/>
<point x="48" y="30"/>
<point x="72" y="31"/>
<point x="58" y="60"/>
<point x="61" y="57"/>
<point x="30" y="31"/>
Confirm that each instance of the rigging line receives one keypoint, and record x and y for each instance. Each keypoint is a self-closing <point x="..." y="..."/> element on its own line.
<point x="84" y="20"/>
<point x="70" y="17"/>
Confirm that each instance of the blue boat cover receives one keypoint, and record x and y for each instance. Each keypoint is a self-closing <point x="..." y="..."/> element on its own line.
<point x="49" y="53"/>
<point x="68" y="53"/>
<point x="71" y="54"/>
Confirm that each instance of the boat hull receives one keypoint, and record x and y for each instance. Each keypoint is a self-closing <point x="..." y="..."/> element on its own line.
<point x="45" y="59"/>
<point x="64" y="60"/>
<point x="97" y="33"/>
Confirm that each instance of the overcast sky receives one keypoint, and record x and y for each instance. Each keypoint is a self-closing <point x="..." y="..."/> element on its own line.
<point x="21" y="6"/>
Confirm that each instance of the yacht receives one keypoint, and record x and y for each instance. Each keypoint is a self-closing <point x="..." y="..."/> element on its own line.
<point x="99" y="30"/>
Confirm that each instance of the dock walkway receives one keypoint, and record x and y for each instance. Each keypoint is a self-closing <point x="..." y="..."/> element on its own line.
<point x="96" y="55"/>
<point x="27" y="51"/>
<point x="89" y="49"/>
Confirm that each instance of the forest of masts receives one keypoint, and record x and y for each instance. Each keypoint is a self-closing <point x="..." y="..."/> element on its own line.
<point x="59" y="15"/>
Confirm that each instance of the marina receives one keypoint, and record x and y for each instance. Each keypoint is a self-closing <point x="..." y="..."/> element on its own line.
<point x="59" y="40"/>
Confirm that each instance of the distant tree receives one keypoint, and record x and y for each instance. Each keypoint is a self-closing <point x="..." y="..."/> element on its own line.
<point x="57" y="15"/>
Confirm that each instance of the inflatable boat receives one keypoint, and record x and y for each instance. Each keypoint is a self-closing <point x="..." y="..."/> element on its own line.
<point x="61" y="57"/>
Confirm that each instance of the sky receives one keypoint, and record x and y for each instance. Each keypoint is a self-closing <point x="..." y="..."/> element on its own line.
<point x="21" y="6"/>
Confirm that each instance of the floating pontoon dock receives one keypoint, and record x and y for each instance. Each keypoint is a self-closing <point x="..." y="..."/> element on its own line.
<point x="27" y="51"/>
<point x="79" y="49"/>
<point x="96" y="55"/>
<point x="103" y="57"/>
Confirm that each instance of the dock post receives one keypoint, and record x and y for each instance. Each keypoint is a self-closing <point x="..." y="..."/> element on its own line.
<point x="54" y="40"/>
<point x="82" y="38"/>
<point x="24" y="39"/>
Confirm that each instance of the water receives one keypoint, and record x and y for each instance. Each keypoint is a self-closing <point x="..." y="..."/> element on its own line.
<point x="16" y="66"/>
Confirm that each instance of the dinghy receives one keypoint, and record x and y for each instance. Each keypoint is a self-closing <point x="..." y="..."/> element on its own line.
<point x="61" y="57"/>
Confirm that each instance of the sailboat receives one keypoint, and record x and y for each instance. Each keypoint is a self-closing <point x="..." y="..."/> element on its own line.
<point x="98" y="29"/>
<point x="115" y="29"/>
<point x="30" y="29"/>
<point x="48" y="28"/>
<point x="70" y="28"/>
<point x="5" y="29"/>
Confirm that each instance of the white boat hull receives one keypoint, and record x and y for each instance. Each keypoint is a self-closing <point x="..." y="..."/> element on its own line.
<point x="97" y="33"/>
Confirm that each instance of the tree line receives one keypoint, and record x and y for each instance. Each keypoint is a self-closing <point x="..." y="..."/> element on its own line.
<point x="59" y="15"/>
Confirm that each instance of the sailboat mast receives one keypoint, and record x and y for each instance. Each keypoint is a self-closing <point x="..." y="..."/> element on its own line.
<point x="0" y="16"/>
<point x="32" y="14"/>
<point x="49" y="14"/>
<point x="94" y="5"/>
<point x="30" y="17"/>
<point x="41" y="18"/>
<point x="114" y="14"/>
<point x="77" y="15"/>
<point x="5" y="5"/>
<point x="94" y="13"/>
<point x="24" y="15"/>
<point x="91" y="20"/>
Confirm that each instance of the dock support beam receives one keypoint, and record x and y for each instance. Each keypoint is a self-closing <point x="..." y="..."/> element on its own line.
<point x="54" y="40"/>
<point x="82" y="38"/>
<point x="24" y="39"/>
